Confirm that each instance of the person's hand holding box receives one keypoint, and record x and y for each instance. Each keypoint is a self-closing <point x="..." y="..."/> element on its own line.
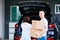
<point x="37" y="27"/>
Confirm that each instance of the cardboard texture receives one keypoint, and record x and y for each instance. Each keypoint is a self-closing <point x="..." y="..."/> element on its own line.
<point x="37" y="24"/>
<point x="36" y="28"/>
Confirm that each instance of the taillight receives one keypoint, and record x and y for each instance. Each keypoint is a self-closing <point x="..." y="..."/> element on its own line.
<point x="51" y="26"/>
<point x="16" y="26"/>
<point x="17" y="38"/>
<point x="50" y="38"/>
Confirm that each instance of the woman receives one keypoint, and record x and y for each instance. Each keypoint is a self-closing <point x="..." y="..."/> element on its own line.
<point x="43" y="35"/>
<point x="26" y="29"/>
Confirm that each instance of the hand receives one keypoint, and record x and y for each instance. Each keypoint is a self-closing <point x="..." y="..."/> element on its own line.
<point x="39" y="36"/>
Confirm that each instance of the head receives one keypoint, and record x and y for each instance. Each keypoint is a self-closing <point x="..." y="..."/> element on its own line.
<point x="26" y="19"/>
<point x="41" y="14"/>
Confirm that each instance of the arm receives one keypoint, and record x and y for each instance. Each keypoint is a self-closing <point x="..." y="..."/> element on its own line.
<point x="45" y="28"/>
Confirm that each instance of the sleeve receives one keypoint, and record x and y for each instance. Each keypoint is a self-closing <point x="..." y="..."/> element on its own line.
<point x="45" y="24"/>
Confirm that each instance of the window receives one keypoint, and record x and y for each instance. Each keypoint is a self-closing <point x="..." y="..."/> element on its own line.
<point x="57" y="8"/>
<point x="15" y="14"/>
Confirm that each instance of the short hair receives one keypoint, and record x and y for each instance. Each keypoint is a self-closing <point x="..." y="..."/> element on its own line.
<point x="26" y="19"/>
<point x="43" y="11"/>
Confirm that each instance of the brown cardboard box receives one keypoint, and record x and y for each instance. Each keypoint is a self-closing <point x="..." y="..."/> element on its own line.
<point x="37" y="24"/>
<point x="36" y="29"/>
<point x="35" y="33"/>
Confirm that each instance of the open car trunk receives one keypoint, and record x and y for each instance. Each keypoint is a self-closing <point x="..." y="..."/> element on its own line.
<point x="31" y="9"/>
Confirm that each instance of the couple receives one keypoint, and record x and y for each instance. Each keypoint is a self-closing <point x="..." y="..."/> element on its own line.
<point x="26" y="26"/>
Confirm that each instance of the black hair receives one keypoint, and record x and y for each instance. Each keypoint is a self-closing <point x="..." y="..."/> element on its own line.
<point x="42" y="10"/>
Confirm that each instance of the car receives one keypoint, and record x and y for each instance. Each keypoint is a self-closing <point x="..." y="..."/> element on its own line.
<point x="31" y="9"/>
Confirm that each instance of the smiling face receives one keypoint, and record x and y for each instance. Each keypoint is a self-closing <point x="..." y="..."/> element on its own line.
<point x="41" y="14"/>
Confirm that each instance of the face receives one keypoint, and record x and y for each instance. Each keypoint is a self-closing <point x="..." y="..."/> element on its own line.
<point x="41" y="14"/>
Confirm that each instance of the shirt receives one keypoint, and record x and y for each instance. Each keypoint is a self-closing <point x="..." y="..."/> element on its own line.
<point x="45" y="24"/>
<point x="26" y="31"/>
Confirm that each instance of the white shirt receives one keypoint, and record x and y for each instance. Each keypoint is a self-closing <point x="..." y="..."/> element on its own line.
<point x="26" y="31"/>
<point x="45" y="24"/>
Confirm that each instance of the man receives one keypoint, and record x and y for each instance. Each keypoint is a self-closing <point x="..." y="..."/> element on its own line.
<point x="43" y="35"/>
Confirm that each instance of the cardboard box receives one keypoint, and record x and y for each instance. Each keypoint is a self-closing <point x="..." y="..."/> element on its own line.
<point x="35" y="33"/>
<point x="36" y="28"/>
<point x="37" y="24"/>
